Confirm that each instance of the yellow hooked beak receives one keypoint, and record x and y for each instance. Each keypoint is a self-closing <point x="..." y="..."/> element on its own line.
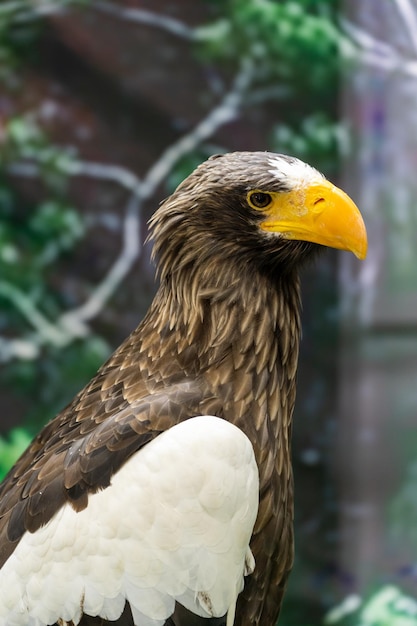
<point x="320" y="213"/>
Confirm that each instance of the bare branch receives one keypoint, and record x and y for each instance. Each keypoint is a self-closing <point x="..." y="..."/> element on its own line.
<point x="262" y="95"/>
<point x="22" y="349"/>
<point x="101" y="171"/>
<point x="47" y="331"/>
<point x="28" y="10"/>
<point x="364" y="40"/>
<point x="74" y="167"/>
<point x="224" y="112"/>
<point x="25" y="170"/>
<point x="73" y="323"/>
<point x="409" y="17"/>
<point x="148" y="18"/>
<point x="376" y="53"/>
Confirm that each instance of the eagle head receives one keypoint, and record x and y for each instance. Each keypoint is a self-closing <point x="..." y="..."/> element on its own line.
<point x="256" y="208"/>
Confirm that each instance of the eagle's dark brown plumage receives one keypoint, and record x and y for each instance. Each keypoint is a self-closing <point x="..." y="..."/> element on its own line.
<point x="220" y="338"/>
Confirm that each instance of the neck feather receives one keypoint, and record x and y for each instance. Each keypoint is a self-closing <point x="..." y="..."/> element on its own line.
<point x="237" y="332"/>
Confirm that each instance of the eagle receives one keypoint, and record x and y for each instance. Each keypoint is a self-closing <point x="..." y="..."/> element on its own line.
<point x="163" y="493"/>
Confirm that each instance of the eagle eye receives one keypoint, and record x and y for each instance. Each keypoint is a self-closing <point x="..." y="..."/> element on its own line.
<point x="259" y="199"/>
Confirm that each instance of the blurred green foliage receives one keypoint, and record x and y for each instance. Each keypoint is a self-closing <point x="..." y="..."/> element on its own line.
<point x="295" y="46"/>
<point x="11" y="447"/>
<point x="315" y="138"/>
<point x="403" y="509"/>
<point x="35" y="237"/>
<point x="17" y="37"/>
<point x="31" y="241"/>
<point x="291" y="42"/>
<point x="387" y="606"/>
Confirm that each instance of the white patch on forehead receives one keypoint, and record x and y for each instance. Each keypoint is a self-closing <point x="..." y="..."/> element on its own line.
<point x="294" y="173"/>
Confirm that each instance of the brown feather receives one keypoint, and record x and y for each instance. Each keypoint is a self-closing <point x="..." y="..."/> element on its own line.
<point x="221" y="337"/>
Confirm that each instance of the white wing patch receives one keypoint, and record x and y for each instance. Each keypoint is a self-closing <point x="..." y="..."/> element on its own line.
<point x="174" y="524"/>
<point x="294" y="173"/>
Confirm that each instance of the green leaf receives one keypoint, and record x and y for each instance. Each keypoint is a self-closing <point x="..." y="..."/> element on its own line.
<point x="11" y="447"/>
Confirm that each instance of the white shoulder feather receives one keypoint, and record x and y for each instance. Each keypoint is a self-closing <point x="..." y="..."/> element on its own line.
<point x="174" y="525"/>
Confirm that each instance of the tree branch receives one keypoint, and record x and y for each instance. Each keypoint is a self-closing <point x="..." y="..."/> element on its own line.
<point x="409" y="17"/>
<point x="102" y="171"/>
<point x="45" y="329"/>
<point x="28" y="10"/>
<point x="22" y="349"/>
<point x="145" y="17"/>
<point x="376" y="53"/>
<point x="143" y="189"/>
<point x="73" y="323"/>
<point x="224" y="112"/>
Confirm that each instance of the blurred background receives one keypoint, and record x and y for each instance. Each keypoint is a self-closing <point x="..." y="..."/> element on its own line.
<point x="105" y="106"/>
